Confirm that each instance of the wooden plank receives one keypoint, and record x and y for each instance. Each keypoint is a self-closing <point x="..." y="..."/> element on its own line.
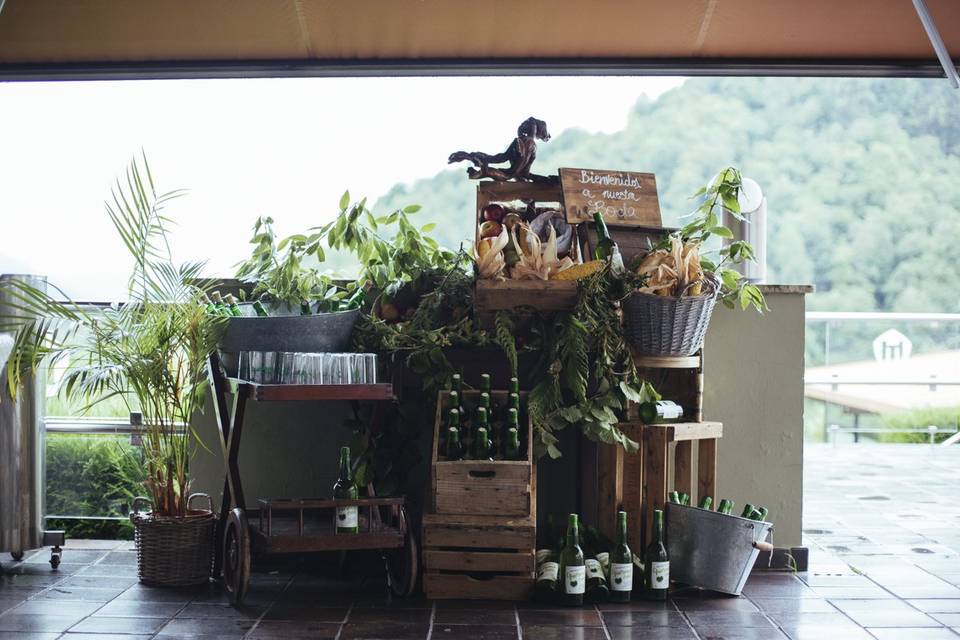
<point x="655" y="468"/>
<point x="683" y="467"/>
<point x="467" y="531"/>
<point x="483" y="499"/>
<point x="309" y="392"/>
<point x="667" y="362"/>
<point x="624" y="198"/>
<point x="632" y="491"/>
<point x="495" y="191"/>
<point x="442" y="586"/>
<point x="609" y="487"/>
<point x="707" y="469"/>
<point x="471" y="561"/>
<point x="309" y="544"/>
<point x="546" y="295"/>
<point x="694" y="430"/>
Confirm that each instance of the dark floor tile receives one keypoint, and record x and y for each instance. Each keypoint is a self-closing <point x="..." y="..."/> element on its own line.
<point x="794" y="605"/>
<point x="80" y="593"/>
<point x="120" y="557"/>
<point x="219" y="611"/>
<point x="10" y="603"/>
<point x="380" y="601"/>
<point x="98" y="582"/>
<point x="936" y="605"/>
<point x="884" y="613"/>
<point x="20" y="635"/>
<point x="282" y="630"/>
<point x="644" y="619"/>
<point x="58" y="607"/>
<point x="654" y="633"/>
<point x="145" y="593"/>
<point x="383" y="631"/>
<point x="395" y="616"/>
<point x="727" y="603"/>
<point x="636" y="605"/>
<point x="728" y="619"/>
<point x="486" y="605"/>
<point x="474" y="632"/>
<point x="295" y="611"/>
<point x="475" y="616"/>
<point x="567" y="617"/>
<point x="793" y="589"/>
<point x="555" y="632"/>
<point x="138" y="609"/>
<point x="205" y="629"/>
<point x="119" y="625"/>
<point x="853" y="593"/>
<point x="794" y="620"/>
<point x="45" y="622"/>
<point x="918" y="633"/>
<point x="108" y="570"/>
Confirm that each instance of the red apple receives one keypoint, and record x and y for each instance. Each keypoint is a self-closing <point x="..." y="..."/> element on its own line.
<point x="494" y="212"/>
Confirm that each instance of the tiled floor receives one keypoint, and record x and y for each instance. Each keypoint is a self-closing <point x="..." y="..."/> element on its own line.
<point x="874" y="509"/>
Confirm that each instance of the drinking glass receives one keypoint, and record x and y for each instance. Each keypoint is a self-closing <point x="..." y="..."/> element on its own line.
<point x="243" y="366"/>
<point x="326" y="368"/>
<point x="263" y="366"/>
<point x="314" y="368"/>
<point x="370" y="367"/>
<point x="289" y="373"/>
<point x="340" y="369"/>
<point x="357" y="372"/>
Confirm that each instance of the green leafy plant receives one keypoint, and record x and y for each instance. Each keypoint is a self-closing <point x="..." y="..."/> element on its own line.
<point x="150" y="351"/>
<point x="723" y="191"/>
<point x="280" y="274"/>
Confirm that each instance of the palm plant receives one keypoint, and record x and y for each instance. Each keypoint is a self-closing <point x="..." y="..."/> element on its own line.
<point x="151" y="351"/>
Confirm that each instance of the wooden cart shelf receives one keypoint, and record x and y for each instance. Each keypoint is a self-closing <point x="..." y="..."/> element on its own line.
<point x="668" y="362"/>
<point x="311" y="392"/>
<point x="679" y="431"/>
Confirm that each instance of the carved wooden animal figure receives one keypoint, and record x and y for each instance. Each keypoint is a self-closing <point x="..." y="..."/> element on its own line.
<point x="520" y="155"/>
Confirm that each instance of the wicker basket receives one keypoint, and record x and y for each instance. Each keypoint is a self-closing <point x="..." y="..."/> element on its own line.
<point x="666" y="326"/>
<point x="174" y="552"/>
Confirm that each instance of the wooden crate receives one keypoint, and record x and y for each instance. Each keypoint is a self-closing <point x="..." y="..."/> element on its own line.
<point x="478" y="557"/>
<point x="473" y="487"/>
<point x="545" y="295"/>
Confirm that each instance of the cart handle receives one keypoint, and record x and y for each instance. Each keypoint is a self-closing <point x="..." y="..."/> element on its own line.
<point x="134" y="508"/>
<point x="201" y="495"/>
<point x="763" y="546"/>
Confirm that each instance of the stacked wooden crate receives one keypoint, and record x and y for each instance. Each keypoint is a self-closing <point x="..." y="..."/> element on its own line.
<point x="479" y="540"/>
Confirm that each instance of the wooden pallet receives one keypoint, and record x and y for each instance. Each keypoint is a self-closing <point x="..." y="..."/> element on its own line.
<point x="478" y="557"/>
<point x="473" y="487"/>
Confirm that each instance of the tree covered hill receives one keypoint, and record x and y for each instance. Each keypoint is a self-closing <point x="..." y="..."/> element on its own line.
<point x="862" y="178"/>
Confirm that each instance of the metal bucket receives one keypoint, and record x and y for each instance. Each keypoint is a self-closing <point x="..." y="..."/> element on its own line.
<point x="711" y="550"/>
<point x="319" y="333"/>
<point x="22" y="448"/>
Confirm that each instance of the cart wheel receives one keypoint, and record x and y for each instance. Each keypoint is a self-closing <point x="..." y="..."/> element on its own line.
<point x="236" y="556"/>
<point x="403" y="563"/>
<point x="17" y="555"/>
<point x="55" y="554"/>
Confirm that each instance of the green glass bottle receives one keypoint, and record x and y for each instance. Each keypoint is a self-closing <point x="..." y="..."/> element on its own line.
<point x="233" y="307"/>
<point x="514" y="385"/>
<point x="725" y="506"/>
<point x="485" y="383"/>
<point x="747" y="510"/>
<point x="259" y="310"/>
<point x="481" y="445"/>
<point x="548" y="570"/>
<point x="685" y="499"/>
<point x="348" y="520"/>
<point x="597" y="589"/>
<point x="219" y="308"/>
<point x="605" y="243"/>
<point x="656" y="578"/>
<point x="660" y="412"/>
<point x="305" y="308"/>
<point x="453" y="449"/>
<point x="573" y="570"/>
<point x="706" y="502"/>
<point x="675" y="497"/>
<point x="621" y="563"/>
<point x="764" y="512"/>
<point x="208" y="305"/>
<point x="512" y="450"/>
<point x="453" y="402"/>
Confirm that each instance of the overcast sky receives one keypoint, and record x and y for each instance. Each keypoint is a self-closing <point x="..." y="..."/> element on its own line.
<point x="281" y="147"/>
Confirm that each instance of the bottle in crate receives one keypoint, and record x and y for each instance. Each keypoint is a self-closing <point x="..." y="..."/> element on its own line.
<point x="347" y="517"/>
<point x="573" y="570"/>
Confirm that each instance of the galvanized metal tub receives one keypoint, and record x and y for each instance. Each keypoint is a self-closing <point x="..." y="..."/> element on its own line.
<point x="22" y="451"/>
<point x="711" y="550"/>
<point x="319" y="333"/>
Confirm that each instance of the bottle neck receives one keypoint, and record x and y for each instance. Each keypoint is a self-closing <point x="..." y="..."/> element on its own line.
<point x="345" y="473"/>
<point x="658" y="528"/>
<point x="601" y="224"/>
<point x="573" y="536"/>
<point x="622" y="530"/>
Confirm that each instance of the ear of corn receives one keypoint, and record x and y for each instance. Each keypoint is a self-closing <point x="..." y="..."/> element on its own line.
<point x="578" y="271"/>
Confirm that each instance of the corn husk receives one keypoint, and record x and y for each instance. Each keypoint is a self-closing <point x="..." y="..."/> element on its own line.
<point x="540" y="261"/>
<point x="673" y="272"/>
<point x="488" y="254"/>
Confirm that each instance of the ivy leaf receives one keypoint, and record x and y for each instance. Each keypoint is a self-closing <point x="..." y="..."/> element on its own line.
<point x="412" y="208"/>
<point x="344" y="201"/>
<point x="630" y="393"/>
<point x="427" y="228"/>
<point x="721" y="231"/>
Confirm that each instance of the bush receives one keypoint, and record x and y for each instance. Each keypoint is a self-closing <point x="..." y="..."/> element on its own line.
<point x="92" y="476"/>
<point x="943" y="417"/>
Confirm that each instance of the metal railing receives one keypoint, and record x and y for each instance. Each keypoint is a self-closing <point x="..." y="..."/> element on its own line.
<point x="932" y="431"/>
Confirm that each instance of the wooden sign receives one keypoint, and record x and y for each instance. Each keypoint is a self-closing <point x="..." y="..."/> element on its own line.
<point x="625" y="198"/>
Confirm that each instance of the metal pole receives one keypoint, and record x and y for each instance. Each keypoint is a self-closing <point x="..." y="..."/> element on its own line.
<point x="942" y="54"/>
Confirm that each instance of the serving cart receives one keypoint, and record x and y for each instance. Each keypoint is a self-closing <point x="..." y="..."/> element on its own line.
<point x="300" y="525"/>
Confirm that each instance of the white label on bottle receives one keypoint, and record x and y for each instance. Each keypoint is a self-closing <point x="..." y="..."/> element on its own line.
<point x="660" y="575"/>
<point x="549" y="571"/>
<point x="575" y="580"/>
<point x="621" y="576"/>
<point x="604" y="559"/>
<point x="347" y="517"/>
<point x="542" y="556"/>
<point x="594" y="570"/>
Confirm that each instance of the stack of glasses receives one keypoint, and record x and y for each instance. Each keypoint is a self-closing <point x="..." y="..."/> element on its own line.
<point x="283" y="367"/>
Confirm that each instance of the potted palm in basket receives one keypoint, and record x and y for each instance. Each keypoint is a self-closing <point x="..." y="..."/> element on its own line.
<point x="151" y="351"/>
<point x="669" y="313"/>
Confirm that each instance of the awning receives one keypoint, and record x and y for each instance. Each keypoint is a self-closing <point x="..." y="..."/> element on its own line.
<point x="287" y="37"/>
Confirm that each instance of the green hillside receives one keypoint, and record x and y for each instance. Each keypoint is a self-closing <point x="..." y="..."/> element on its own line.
<point x="862" y="178"/>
